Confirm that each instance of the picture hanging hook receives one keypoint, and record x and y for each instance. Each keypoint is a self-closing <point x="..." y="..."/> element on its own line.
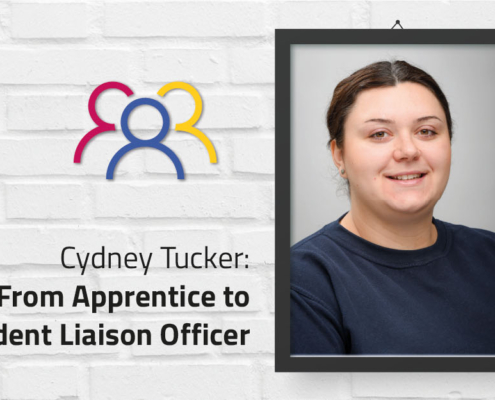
<point x="397" y="23"/>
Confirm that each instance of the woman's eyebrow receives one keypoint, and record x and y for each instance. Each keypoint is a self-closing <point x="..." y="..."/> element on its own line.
<point x="383" y="121"/>
<point x="427" y="118"/>
<point x="389" y="121"/>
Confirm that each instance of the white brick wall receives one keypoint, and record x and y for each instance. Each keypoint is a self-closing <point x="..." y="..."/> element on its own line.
<point x="25" y="381"/>
<point x="65" y="66"/>
<point x="191" y="65"/>
<point x="186" y="19"/>
<point x="52" y="55"/>
<point x="38" y="21"/>
<point x="34" y="112"/>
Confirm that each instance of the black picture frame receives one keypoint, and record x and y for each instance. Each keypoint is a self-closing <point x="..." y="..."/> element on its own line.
<point x="284" y="39"/>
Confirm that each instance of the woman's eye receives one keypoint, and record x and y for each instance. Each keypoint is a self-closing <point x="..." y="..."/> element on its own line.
<point x="427" y="132"/>
<point x="379" y="135"/>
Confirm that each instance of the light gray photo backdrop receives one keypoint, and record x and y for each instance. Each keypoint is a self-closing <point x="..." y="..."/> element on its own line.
<point x="466" y="74"/>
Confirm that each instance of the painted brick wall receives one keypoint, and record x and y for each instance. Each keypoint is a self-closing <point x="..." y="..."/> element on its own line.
<point x="52" y="55"/>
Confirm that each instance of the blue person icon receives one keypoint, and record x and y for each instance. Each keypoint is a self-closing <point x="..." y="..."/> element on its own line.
<point x="136" y="142"/>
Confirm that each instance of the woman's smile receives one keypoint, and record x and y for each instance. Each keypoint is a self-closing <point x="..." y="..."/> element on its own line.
<point x="407" y="179"/>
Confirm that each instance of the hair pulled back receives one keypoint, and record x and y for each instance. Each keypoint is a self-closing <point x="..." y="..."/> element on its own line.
<point x="379" y="74"/>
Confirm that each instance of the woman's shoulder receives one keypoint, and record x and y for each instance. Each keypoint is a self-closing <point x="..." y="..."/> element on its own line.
<point x="311" y="259"/>
<point x="473" y="241"/>
<point x="314" y="250"/>
<point x="468" y="233"/>
<point x="318" y="240"/>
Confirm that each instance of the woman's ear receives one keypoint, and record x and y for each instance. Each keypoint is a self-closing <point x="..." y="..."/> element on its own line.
<point x="337" y="155"/>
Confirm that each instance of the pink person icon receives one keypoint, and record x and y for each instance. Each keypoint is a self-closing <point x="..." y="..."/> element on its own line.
<point x="101" y="126"/>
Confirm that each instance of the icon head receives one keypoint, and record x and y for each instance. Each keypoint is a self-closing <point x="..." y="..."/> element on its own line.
<point x="124" y="122"/>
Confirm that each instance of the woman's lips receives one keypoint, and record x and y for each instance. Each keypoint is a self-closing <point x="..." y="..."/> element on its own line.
<point x="407" y="179"/>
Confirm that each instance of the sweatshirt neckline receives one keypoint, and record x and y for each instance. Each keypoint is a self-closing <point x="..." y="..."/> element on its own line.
<point x="387" y="256"/>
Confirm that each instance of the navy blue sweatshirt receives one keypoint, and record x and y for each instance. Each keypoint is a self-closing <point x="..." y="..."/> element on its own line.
<point x="350" y="296"/>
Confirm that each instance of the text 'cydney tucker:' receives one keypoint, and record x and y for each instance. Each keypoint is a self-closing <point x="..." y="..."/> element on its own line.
<point x="103" y="259"/>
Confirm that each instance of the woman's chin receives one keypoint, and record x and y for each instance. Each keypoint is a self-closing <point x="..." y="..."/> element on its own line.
<point x="412" y="206"/>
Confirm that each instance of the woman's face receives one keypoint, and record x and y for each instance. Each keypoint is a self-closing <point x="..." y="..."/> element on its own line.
<point x="396" y="152"/>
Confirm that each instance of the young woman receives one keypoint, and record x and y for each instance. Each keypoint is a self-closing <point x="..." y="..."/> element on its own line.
<point x="388" y="278"/>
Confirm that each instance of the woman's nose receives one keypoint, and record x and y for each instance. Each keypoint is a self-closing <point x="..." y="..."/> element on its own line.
<point x="406" y="148"/>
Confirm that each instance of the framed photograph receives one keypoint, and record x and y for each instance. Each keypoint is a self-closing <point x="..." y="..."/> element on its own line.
<point x="385" y="251"/>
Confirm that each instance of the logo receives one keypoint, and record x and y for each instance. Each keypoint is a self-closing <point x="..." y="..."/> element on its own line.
<point x="156" y="142"/>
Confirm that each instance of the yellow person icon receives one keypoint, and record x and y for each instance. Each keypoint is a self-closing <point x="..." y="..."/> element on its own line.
<point x="188" y="126"/>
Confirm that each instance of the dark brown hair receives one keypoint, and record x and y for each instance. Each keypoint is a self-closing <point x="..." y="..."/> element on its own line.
<point x="379" y="74"/>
